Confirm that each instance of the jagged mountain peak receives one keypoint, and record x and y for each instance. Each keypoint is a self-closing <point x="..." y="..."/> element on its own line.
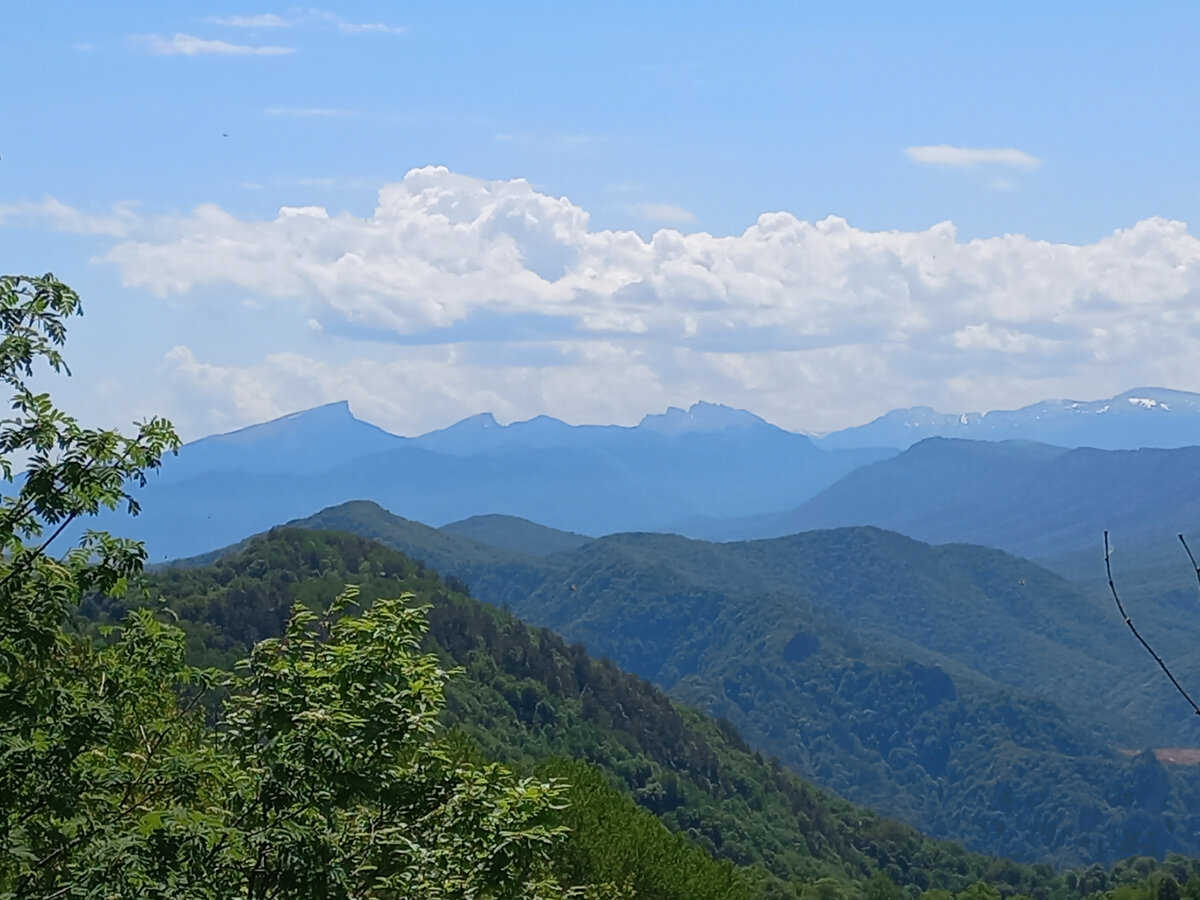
<point x="701" y="417"/>
<point x="308" y="440"/>
<point x="324" y="416"/>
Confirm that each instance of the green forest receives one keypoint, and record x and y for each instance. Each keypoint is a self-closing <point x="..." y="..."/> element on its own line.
<point x="544" y="708"/>
<point x="911" y="679"/>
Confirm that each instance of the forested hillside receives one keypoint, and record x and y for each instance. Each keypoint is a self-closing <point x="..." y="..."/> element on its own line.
<point x="903" y="676"/>
<point x="527" y="697"/>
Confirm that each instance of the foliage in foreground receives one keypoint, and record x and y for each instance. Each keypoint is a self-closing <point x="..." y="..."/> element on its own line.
<point x="323" y="773"/>
<point x="325" y="776"/>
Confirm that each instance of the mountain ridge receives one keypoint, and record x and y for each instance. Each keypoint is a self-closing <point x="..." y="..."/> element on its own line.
<point x="1139" y="417"/>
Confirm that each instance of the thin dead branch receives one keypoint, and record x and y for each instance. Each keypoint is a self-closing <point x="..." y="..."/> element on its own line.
<point x="1137" y="634"/>
<point x="1188" y="551"/>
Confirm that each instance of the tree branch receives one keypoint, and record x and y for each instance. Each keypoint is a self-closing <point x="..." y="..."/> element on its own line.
<point x="1188" y="551"/>
<point x="1128" y="621"/>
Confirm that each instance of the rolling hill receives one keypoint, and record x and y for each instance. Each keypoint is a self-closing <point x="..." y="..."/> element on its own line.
<point x="1031" y="499"/>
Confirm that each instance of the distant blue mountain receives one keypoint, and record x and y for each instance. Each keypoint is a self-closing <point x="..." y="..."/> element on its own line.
<point x="301" y="443"/>
<point x="709" y="471"/>
<point x="1034" y="500"/>
<point x="706" y="462"/>
<point x="483" y="434"/>
<point x="1142" y="417"/>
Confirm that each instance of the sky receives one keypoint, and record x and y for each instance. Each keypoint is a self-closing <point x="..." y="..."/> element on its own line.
<point x="814" y="211"/>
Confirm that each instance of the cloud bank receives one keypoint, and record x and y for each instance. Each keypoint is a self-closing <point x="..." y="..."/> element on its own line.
<point x="457" y="295"/>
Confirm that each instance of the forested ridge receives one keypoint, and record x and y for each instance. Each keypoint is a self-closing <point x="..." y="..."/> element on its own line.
<point x="908" y="678"/>
<point x="528" y="698"/>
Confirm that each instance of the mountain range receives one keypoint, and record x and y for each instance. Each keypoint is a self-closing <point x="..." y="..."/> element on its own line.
<point x="1142" y="417"/>
<point x="709" y="472"/>
<point x="586" y="479"/>
<point x="965" y="690"/>
<point x="1031" y="499"/>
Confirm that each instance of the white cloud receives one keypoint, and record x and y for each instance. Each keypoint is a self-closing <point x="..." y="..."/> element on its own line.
<point x="352" y="27"/>
<point x="666" y="212"/>
<point x="509" y="297"/>
<point x="369" y="28"/>
<point x="441" y="247"/>
<point x="269" y="20"/>
<point x="971" y="157"/>
<point x="119" y="223"/>
<point x="190" y="45"/>
<point x="313" y="17"/>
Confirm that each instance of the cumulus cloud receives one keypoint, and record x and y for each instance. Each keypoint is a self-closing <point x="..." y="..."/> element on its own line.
<point x="814" y="324"/>
<point x="190" y="45"/>
<point x="440" y="248"/>
<point x="971" y="157"/>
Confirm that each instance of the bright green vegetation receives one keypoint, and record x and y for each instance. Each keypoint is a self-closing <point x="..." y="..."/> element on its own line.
<point x="903" y="676"/>
<point x="324" y="777"/>
<point x="321" y="772"/>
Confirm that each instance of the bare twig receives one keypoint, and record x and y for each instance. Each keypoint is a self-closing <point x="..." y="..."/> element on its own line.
<point x="1128" y="621"/>
<point x="1188" y="551"/>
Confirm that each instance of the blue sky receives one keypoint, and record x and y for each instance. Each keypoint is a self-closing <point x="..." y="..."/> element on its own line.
<point x="148" y="148"/>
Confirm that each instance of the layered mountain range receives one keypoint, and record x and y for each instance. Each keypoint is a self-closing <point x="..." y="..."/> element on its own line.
<point x="711" y="472"/>
<point x="961" y="688"/>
